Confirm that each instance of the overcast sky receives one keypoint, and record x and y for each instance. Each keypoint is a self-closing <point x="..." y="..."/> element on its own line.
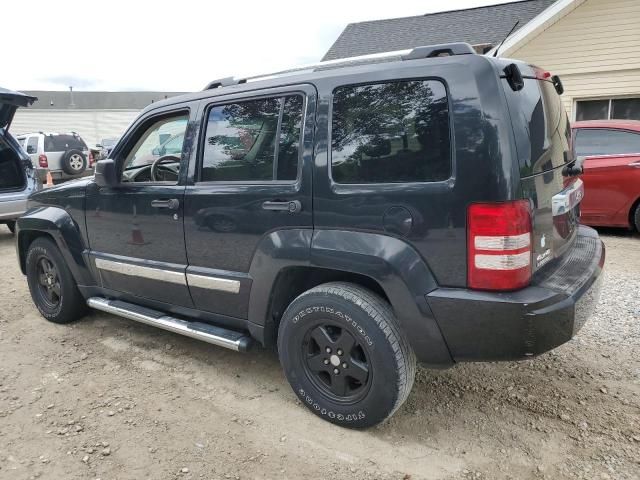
<point x="179" y="45"/>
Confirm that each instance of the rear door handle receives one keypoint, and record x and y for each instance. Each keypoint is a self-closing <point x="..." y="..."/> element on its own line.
<point x="293" y="206"/>
<point x="171" y="203"/>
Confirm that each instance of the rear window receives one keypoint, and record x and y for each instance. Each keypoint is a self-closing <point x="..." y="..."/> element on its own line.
<point x="606" y="141"/>
<point x="61" y="143"/>
<point x="394" y="132"/>
<point x="541" y="126"/>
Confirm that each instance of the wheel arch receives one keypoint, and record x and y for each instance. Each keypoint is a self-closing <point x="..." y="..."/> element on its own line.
<point x="632" y="211"/>
<point x="289" y="262"/>
<point x="56" y="224"/>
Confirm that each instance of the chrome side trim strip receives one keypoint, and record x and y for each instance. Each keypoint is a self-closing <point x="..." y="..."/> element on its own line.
<point x="140" y="271"/>
<point x="233" y="340"/>
<point x="213" y="283"/>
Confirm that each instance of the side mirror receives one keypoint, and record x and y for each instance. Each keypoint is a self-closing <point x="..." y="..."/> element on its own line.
<point x="105" y="173"/>
<point x="31" y="149"/>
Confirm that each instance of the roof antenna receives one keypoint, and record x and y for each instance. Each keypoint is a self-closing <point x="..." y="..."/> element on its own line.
<point x="495" y="54"/>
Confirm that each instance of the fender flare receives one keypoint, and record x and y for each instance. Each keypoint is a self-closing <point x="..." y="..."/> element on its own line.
<point x="56" y="223"/>
<point x="391" y="262"/>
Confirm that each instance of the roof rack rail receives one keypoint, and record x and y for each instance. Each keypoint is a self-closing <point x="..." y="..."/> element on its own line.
<point x="443" y="49"/>
<point x="428" y="51"/>
<point x="225" y="82"/>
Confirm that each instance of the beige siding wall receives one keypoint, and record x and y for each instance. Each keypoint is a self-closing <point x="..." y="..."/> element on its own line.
<point x="595" y="49"/>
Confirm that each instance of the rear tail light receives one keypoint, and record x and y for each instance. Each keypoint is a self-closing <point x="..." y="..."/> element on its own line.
<point x="499" y="245"/>
<point x="90" y="159"/>
<point x="43" y="161"/>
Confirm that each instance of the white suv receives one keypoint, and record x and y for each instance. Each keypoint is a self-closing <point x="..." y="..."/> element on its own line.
<point x="65" y="155"/>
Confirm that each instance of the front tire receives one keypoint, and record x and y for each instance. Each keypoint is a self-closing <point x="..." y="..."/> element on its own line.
<point x="345" y="356"/>
<point x="636" y="218"/>
<point x="52" y="286"/>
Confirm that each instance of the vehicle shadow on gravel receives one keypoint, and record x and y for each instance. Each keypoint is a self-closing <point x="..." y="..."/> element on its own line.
<point x="618" y="232"/>
<point x="6" y="237"/>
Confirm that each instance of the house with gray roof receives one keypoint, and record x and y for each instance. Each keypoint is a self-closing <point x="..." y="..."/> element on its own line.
<point x="482" y="27"/>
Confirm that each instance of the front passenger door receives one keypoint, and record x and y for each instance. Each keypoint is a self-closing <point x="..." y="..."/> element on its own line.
<point x="135" y="229"/>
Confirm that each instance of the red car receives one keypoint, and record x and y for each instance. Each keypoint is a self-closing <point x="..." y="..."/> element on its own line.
<point x="611" y="171"/>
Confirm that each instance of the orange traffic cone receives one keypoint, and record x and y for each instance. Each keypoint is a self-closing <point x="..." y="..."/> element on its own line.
<point x="136" y="235"/>
<point x="49" y="179"/>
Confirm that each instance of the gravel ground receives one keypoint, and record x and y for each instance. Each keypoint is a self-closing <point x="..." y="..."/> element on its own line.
<point x="107" y="398"/>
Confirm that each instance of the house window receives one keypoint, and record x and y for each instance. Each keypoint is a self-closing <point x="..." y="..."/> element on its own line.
<point x="613" y="108"/>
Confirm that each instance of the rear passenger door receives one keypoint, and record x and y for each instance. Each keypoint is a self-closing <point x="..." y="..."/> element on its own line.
<point x="388" y="165"/>
<point x="252" y="178"/>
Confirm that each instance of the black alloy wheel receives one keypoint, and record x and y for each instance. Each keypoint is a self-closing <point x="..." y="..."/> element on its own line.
<point x="336" y="362"/>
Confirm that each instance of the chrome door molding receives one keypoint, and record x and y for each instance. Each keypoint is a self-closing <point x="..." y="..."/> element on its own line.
<point x="213" y="283"/>
<point x="141" y="271"/>
<point x="191" y="280"/>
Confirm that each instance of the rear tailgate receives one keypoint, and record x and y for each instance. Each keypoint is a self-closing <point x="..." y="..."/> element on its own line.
<point x="544" y="148"/>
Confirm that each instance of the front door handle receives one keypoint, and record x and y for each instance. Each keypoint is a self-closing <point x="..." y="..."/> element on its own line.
<point x="171" y="203"/>
<point x="293" y="206"/>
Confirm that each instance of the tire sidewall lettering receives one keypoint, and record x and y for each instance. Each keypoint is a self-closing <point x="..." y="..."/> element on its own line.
<point x="325" y="412"/>
<point x="343" y="317"/>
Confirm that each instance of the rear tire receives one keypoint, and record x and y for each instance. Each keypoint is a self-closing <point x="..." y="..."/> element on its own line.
<point x="345" y="355"/>
<point x="636" y="218"/>
<point x="11" y="225"/>
<point x="53" y="288"/>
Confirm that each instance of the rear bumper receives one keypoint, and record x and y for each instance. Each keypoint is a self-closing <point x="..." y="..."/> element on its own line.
<point x="485" y="326"/>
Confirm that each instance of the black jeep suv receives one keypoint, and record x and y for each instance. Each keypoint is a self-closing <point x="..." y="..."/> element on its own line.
<point x="358" y="215"/>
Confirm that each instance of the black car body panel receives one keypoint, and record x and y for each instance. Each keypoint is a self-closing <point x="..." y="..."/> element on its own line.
<point x="236" y="253"/>
<point x="525" y="323"/>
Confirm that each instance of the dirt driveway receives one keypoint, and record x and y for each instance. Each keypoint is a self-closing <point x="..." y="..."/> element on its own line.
<point x="107" y="398"/>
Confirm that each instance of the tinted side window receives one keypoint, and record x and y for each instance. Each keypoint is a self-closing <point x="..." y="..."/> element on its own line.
<point x="32" y="145"/>
<point x="601" y="141"/>
<point x="61" y="143"/>
<point x="253" y="140"/>
<point x="390" y="133"/>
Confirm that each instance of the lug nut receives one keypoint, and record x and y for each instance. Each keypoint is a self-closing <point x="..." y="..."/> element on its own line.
<point x="344" y="365"/>
<point x="326" y="361"/>
<point x="336" y="371"/>
<point x="328" y="350"/>
<point x="339" y="352"/>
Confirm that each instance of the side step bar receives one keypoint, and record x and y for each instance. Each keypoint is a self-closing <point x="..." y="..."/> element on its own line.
<point x="202" y="331"/>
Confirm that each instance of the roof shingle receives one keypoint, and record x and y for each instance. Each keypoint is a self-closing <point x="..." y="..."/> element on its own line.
<point x="476" y="26"/>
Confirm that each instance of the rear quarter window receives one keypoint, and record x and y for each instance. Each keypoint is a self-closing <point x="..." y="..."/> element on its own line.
<point x="392" y="132"/>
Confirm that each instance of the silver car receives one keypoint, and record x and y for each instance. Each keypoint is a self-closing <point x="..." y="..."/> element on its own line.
<point x="65" y="155"/>
<point x="18" y="178"/>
